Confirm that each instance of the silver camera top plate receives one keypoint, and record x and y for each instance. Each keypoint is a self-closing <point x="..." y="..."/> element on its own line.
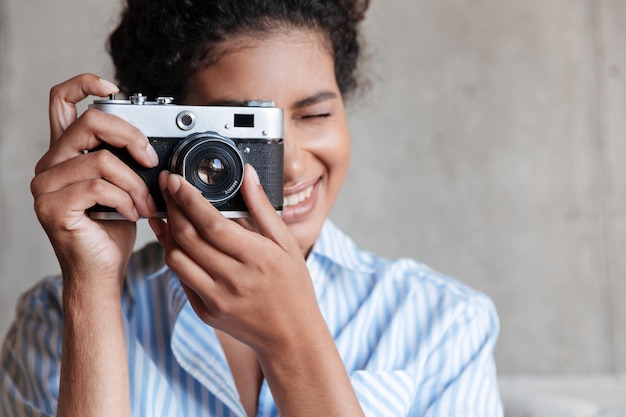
<point x="258" y="119"/>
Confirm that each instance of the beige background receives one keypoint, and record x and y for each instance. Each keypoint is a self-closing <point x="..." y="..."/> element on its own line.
<point x="490" y="146"/>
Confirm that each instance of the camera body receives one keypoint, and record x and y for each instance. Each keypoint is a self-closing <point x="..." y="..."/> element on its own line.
<point x="207" y="145"/>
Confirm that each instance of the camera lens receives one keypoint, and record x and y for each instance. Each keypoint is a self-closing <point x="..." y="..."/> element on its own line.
<point x="212" y="171"/>
<point x="211" y="163"/>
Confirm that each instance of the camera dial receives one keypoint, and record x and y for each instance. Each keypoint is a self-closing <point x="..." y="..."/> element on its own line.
<point x="138" y="99"/>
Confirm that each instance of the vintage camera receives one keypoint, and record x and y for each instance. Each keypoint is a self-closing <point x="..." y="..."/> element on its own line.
<point x="207" y="145"/>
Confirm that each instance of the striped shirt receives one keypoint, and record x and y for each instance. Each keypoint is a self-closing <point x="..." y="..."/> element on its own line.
<point x="414" y="342"/>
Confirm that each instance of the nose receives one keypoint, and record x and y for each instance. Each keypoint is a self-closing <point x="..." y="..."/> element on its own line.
<point x="295" y="156"/>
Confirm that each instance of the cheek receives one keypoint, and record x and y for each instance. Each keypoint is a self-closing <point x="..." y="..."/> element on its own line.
<point x="334" y="153"/>
<point x="338" y="149"/>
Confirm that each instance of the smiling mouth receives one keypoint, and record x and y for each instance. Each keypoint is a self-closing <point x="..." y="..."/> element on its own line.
<point x="298" y="198"/>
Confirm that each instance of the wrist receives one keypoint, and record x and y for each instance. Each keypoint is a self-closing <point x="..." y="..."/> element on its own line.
<point x="88" y="302"/>
<point x="92" y="286"/>
<point x="297" y="353"/>
<point x="309" y="374"/>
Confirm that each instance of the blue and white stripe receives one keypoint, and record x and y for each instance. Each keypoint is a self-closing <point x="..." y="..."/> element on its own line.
<point x="414" y="342"/>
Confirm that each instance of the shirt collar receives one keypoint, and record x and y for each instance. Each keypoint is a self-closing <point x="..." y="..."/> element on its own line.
<point x="335" y="246"/>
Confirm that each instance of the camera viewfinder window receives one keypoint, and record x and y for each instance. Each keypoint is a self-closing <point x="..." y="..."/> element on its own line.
<point x="244" y="120"/>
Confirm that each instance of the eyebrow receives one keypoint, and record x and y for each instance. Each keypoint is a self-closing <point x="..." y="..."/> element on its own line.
<point x="305" y="102"/>
<point x="314" y="99"/>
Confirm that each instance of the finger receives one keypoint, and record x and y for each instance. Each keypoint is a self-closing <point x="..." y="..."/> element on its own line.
<point x="102" y="164"/>
<point x="72" y="202"/>
<point x="65" y="96"/>
<point x="200" y="307"/>
<point x="192" y="237"/>
<point x="187" y="270"/>
<point x="268" y="222"/>
<point x="90" y="130"/>
<point x="159" y="227"/>
<point x="223" y="234"/>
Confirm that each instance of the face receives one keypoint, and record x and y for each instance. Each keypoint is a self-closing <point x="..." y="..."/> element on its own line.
<point x="296" y="71"/>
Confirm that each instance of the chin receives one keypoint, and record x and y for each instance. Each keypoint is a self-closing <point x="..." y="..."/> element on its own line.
<point x="306" y="233"/>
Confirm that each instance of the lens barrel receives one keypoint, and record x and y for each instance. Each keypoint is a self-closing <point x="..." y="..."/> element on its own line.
<point x="211" y="163"/>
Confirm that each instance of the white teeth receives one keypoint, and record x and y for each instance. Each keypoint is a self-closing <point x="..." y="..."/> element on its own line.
<point x="298" y="198"/>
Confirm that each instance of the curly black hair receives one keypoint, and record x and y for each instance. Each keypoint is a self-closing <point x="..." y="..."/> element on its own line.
<point x="158" y="44"/>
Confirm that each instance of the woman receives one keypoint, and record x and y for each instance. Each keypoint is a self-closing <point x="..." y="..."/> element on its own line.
<point x="250" y="317"/>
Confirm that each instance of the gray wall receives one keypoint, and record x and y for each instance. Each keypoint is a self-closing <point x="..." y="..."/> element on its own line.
<point x="489" y="146"/>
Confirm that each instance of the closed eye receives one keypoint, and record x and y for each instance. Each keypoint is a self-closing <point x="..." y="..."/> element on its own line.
<point x="315" y="116"/>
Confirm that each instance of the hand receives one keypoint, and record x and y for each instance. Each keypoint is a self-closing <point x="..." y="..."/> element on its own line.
<point x="253" y="285"/>
<point x="68" y="181"/>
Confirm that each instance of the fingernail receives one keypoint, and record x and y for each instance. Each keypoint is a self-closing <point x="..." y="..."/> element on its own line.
<point x="152" y="155"/>
<point x="253" y="174"/>
<point x="110" y="86"/>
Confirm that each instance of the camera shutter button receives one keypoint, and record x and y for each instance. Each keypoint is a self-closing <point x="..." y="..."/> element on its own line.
<point x="138" y="98"/>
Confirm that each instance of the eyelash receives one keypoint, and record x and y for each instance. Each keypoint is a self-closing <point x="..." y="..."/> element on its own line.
<point x="316" y="116"/>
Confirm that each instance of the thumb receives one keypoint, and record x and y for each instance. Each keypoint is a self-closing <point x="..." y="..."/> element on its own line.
<point x="262" y="211"/>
